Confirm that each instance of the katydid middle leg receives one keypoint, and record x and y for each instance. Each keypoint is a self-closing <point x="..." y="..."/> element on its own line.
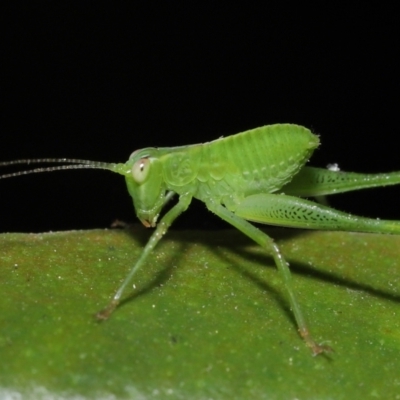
<point x="268" y="244"/>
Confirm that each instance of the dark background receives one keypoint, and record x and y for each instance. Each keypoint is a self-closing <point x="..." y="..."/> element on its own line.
<point x="98" y="81"/>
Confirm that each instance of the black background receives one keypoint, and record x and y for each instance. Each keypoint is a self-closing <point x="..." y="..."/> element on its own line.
<point x="97" y="81"/>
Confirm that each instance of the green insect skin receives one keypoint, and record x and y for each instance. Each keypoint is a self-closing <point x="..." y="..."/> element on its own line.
<point x="225" y="171"/>
<point x="257" y="175"/>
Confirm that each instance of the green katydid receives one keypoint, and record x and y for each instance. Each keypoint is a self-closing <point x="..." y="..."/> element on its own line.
<point x="257" y="175"/>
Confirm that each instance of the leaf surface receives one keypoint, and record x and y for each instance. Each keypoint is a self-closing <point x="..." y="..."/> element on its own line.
<point x="208" y="318"/>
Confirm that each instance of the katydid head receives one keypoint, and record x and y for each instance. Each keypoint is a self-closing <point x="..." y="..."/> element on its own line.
<point x="146" y="185"/>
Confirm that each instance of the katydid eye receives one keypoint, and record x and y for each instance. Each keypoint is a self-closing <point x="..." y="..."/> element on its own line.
<point x="140" y="170"/>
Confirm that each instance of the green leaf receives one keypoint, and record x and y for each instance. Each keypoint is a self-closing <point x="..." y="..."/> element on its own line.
<point x="208" y="319"/>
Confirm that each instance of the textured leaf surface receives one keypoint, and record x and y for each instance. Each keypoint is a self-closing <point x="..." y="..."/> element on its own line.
<point x="208" y="319"/>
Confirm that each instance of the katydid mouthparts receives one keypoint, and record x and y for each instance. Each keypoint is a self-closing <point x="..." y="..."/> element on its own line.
<point x="258" y="175"/>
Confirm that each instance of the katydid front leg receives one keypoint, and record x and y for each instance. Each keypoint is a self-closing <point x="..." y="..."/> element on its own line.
<point x="159" y="232"/>
<point x="268" y="244"/>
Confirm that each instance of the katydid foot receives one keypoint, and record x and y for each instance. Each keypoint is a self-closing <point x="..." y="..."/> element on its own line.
<point x="106" y="312"/>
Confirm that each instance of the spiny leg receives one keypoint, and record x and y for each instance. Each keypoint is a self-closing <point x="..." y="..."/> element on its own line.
<point x="313" y="182"/>
<point x="268" y="244"/>
<point x="159" y="232"/>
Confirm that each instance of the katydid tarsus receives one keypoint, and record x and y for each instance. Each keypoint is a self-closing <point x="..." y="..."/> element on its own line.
<point x="257" y="175"/>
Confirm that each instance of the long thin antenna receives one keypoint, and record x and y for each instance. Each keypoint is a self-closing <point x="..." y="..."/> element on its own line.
<point x="75" y="164"/>
<point x="47" y="161"/>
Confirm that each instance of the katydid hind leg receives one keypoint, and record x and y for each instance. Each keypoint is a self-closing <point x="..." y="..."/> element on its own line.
<point x="158" y="233"/>
<point x="295" y="212"/>
<point x="314" y="182"/>
<point x="268" y="244"/>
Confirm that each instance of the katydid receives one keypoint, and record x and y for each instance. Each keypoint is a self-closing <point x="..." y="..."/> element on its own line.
<point x="257" y="175"/>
